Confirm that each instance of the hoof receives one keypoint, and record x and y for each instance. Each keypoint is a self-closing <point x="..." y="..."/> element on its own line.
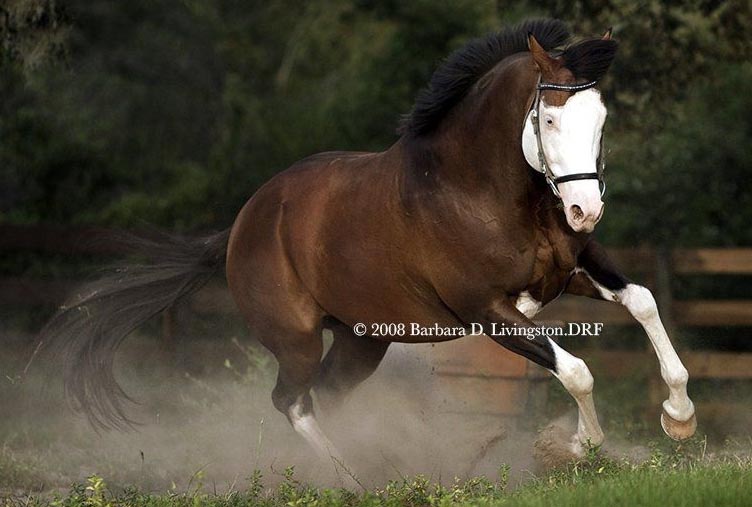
<point x="678" y="430"/>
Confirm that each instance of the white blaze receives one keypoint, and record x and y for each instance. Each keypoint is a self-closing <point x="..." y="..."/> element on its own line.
<point x="571" y="135"/>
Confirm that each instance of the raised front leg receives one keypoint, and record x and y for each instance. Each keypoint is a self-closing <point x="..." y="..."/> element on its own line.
<point x="570" y="370"/>
<point x="598" y="277"/>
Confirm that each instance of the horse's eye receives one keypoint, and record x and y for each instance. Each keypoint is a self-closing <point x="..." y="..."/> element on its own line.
<point x="549" y="121"/>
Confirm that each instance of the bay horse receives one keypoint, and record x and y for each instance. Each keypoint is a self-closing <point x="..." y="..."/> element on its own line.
<point x="481" y="212"/>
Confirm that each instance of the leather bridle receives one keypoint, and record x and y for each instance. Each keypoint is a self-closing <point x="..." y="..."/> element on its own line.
<point x="551" y="179"/>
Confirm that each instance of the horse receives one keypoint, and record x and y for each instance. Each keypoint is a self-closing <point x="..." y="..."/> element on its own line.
<point x="481" y="213"/>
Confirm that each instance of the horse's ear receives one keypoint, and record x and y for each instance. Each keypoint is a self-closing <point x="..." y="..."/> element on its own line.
<point x="607" y="35"/>
<point x="542" y="59"/>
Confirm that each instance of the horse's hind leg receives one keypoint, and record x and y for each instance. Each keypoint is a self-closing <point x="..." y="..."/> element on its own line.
<point x="350" y="361"/>
<point x="299" y="362"/>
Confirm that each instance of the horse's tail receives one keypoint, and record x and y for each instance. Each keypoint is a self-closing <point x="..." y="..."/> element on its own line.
<point x="89" y="328"/>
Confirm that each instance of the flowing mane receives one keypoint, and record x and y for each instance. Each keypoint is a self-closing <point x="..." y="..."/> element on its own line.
<point x="453" y="79"/>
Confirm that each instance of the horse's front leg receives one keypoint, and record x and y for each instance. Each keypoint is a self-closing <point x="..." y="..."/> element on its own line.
<point x="597" y="277"/>
<point x="572" y="372"/>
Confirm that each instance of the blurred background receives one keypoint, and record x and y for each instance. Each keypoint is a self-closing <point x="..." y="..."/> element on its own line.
<point x="123" y="115"/>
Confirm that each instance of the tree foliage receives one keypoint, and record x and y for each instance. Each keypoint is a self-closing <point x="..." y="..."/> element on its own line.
<point x="33" y="32"/>
<point x="674" y="95"/>
<point x="175" y="112"/>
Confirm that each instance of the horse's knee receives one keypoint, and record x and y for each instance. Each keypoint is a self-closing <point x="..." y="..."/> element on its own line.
<point x="575" y="375"/>
<point x="639" y="301"/>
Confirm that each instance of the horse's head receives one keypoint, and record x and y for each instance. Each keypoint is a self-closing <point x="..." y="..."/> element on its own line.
<point x="563" y="129"/>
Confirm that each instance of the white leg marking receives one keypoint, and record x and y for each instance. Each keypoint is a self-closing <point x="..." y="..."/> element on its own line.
<point x="306" y="426"/>
<point x="576" y="378"/>
<point x="641" y="304"/>
<point x="527" y="305"/>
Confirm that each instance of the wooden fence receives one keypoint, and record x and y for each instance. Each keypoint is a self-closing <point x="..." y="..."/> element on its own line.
<point x="467" y="361"/>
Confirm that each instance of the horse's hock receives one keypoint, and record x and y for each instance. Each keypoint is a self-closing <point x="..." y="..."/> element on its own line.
<point x="476" y="378"/>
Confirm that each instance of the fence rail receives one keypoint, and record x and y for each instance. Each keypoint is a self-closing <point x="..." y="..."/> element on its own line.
<point x="654" y="266"/>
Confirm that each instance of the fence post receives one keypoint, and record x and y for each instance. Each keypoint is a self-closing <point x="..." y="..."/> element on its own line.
<point x="665" y="301"/>
<point x="663" y="295"/>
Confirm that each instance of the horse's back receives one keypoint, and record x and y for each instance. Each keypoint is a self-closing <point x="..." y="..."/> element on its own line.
<point x="305" y="221"/>
<point x="306" y="185"/>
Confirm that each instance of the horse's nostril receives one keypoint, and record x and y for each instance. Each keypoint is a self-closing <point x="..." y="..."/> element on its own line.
<point x="577" y="213"/>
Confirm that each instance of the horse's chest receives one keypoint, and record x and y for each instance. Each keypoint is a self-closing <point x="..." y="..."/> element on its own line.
<point x="552" y="267"/>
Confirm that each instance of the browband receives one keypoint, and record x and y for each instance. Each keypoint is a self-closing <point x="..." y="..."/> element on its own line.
<point x="566" y="87"/>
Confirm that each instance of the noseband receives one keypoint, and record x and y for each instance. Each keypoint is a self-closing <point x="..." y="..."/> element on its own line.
<point x="552" y="180"/>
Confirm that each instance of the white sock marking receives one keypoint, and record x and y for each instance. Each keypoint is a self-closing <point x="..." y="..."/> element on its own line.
<point x="576" y="378"/>
<point x="641" y="304"/>
<point x="306" y="426"/>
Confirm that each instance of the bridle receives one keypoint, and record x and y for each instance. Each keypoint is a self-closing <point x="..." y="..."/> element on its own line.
<point x="552" y="180"/>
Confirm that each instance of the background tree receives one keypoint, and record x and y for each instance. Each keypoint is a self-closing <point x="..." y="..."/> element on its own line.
<point x="678" y="119"/>
<point x="32" y="32"/>
<point x="173" y="113"/>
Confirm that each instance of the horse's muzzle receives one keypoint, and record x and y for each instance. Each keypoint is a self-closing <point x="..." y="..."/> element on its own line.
<point x="584" y="219"/>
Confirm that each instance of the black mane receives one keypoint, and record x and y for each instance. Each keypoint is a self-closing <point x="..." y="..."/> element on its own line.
<point x="463" y="68"/>
<point x="459" y="72"/>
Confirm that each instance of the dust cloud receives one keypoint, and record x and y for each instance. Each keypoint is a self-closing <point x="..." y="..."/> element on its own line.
<point x="206" y="419"/>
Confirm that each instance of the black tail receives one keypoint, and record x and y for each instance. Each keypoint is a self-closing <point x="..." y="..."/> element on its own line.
<point x="89" y="329"/>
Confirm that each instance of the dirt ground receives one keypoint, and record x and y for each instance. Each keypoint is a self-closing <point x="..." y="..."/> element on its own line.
<point x="206" y="416"/>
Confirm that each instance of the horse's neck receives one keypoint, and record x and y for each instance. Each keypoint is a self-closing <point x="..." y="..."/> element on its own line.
<point x="480" y="150"/>
<point x="477" y="150"/>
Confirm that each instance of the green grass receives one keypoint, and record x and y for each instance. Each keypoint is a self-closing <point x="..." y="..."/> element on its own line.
<point x="726" y="485"/>
<point x="18" y="472"/>
<point x="664" y="480"/>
